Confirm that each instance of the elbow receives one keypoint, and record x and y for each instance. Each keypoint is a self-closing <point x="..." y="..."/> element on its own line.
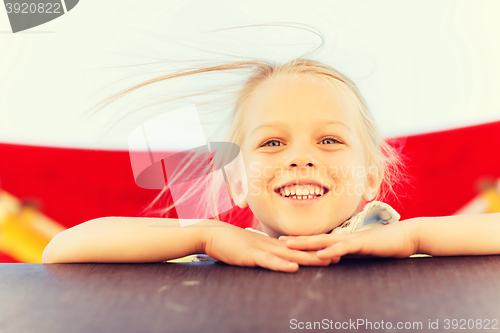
<point x="62" y="247"/>
<point x="46" y="257"/>
<point x="52" y="252"/>
<point x="48" y="254"/>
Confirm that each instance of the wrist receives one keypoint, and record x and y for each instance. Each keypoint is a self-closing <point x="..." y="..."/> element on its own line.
<point x="416" y="226"/>
<point x="208" y="229"/>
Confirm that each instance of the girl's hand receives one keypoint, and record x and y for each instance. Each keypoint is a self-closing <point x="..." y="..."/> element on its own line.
<point x="236" y="246"/>
<point x="397" y="240"/>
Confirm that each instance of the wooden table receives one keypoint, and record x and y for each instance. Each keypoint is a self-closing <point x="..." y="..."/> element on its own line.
<point x="215" y="297"/>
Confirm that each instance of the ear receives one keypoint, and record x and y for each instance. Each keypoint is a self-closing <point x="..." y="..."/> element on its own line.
<point x="239" y="194"/>
<point x="373" y="182"/>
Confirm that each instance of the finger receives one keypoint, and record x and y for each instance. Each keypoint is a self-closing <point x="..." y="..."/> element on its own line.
<point x="282" y="242"/>
<point x="279" y="248"/>
<point x="312" y="242"/>
<point x="308" y="258"/>
<point x="348" y="246"/>
<point x="335" y="260"/>
<point x="314" y="262"/>
<point x="273" y="262"/>
<point x="287" y="237"/>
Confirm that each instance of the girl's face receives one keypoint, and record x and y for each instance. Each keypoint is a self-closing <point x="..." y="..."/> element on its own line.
<point x="296" y="132"/>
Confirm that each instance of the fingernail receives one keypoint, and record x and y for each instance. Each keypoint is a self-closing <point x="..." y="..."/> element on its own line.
<point x="291" y="241"/>
<point x="321" y="252"/>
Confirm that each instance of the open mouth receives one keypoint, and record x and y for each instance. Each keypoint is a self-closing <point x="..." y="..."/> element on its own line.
<point x="302" y="192"/>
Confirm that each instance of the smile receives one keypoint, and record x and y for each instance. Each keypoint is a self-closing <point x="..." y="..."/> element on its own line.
<point x="302" y="194"/>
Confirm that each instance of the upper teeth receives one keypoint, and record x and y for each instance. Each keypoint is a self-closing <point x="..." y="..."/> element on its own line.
<point x="300" y="190"/>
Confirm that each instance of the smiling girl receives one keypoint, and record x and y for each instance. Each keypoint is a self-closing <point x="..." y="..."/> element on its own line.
<point x="315" y="166"/>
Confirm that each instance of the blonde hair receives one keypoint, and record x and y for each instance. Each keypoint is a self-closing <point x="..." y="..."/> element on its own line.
<point x="386" y="159"/>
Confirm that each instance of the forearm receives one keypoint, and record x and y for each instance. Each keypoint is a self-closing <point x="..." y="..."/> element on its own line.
<point x="124" y="239"/>
<point x="458" y="235"/>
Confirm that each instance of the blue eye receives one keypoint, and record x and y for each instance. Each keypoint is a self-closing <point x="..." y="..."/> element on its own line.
<point x="331" y="139"/>
<point x="265" y="144"/>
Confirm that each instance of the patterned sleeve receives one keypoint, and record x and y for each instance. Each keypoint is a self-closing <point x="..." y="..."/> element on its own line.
<point x="375" y="214"/>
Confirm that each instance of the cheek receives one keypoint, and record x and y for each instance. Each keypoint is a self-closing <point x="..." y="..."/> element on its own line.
<point x="257" y="177"/>
<point x="346" y="168"/>
<point x="261" y="168"/>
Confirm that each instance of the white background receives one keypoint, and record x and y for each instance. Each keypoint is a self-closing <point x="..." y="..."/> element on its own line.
<point x="421" y="65"/>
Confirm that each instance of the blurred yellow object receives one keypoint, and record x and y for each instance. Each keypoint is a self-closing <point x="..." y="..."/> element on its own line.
<point x="193" y="258"/>
<point x="492" y="196"/>
<point x="24" y="231"/>
<point x="189" y="258"/>
<point x="487" y="201"/>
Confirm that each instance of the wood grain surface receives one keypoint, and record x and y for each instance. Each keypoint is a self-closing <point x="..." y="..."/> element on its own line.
<point x="215" y="297"/>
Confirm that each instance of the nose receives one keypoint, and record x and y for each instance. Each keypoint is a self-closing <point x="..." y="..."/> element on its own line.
<point x="299" y="168"/>
<point x="300" y="156"/>
<point x="300" y="164"/>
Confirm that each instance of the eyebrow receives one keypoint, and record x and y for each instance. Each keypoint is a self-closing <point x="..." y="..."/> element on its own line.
<point x="322" y="121"/>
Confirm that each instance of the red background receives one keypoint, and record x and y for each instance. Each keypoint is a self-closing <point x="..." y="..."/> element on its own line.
<point x="75" y="185"/>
